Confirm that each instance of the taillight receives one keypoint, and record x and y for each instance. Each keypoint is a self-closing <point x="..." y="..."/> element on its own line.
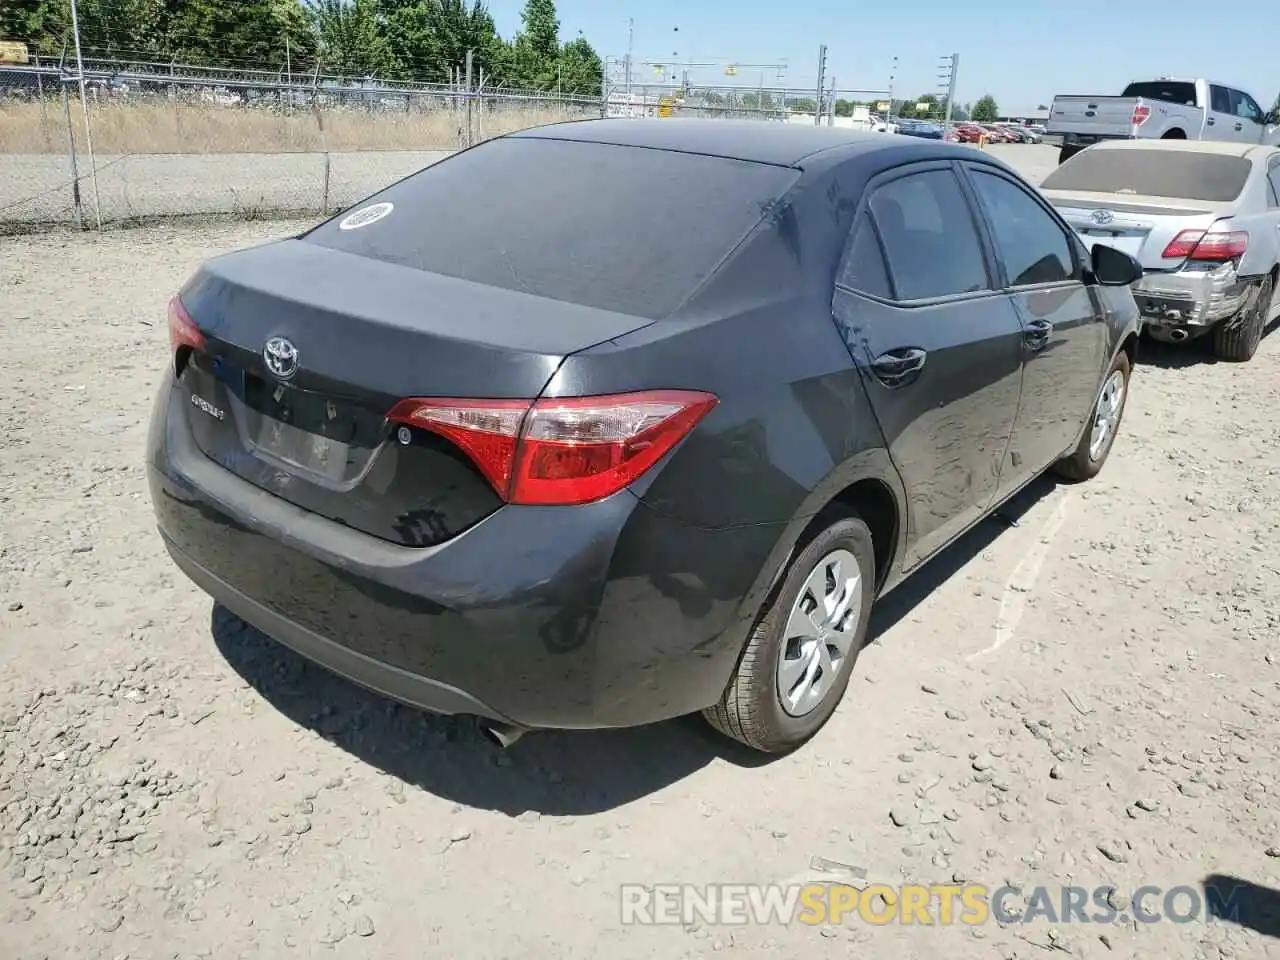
<point x="1214" y="246"/>
<point x="561" y="451"/>
<point x="183" y="332"/>
<point x="1140" y="114"/>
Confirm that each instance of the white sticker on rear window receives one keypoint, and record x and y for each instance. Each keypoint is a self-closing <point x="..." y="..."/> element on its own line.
<point x="365" y="216"/>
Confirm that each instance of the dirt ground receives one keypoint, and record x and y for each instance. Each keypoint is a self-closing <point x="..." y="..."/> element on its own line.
<point x="1088" y="697"/>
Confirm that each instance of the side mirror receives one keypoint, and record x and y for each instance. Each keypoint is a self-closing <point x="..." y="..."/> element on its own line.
<point x="1269" y="119"/>
<point x="1114" y="268"/>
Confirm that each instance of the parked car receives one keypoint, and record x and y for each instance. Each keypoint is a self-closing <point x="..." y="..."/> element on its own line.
<point x="1203" y="219"/>
<point x="997" y="134"/>
<point x="557" y="475"/>
<point x="921" y="129"/>
<point x="967" y="133"/>
<point x="1163" y="109"/>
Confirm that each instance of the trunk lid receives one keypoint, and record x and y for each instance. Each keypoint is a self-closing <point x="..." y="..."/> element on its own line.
<point x="364" y="334"/>
<point x="1140" y="226"/>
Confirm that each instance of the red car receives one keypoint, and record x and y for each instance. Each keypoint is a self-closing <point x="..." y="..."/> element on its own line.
<point x="996" y="134"/>
<point x="967" y="133"/>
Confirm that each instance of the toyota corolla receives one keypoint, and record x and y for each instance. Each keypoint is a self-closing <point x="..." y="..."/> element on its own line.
<point x="608" y="422"/>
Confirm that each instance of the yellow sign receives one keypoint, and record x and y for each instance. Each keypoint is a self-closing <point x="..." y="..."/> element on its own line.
<point x="882" y="105"/>
<point x="731" y="71"/>
<point x="13" y="52"/>
<point x="665" y="106"/>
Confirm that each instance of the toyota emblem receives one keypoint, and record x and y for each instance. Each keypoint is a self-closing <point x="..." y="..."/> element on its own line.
<point x="281" y="358"/>
<point x="1102" y="216"/>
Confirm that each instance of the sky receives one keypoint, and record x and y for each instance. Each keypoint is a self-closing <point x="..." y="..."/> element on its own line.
<point x="1021" y="53"/>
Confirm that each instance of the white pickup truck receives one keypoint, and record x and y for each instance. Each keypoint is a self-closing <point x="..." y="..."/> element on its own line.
<point x="1164" y="109"/>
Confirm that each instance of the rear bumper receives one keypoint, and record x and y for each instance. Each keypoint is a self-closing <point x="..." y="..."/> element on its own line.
<point x="603" y="615"/>
<point x="1190" y="300"/>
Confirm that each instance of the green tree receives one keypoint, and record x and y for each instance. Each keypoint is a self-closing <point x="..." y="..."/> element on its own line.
<point x="431" y="37"/>
<point x="581" y="69"/>
<point x="352" y="42"/>
<point x="803" y="106"/>
<point x="985" y="110"/>
<point x="535" y="55"/>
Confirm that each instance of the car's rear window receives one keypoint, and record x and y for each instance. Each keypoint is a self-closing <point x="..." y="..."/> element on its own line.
<point x="1184" y="175"/>
<point x="1168" y="91"/>
<point x="627" y="229"/>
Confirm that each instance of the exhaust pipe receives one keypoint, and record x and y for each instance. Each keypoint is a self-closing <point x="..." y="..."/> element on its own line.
<point x="1177" y="334"/>
<point x="501" y="735"/>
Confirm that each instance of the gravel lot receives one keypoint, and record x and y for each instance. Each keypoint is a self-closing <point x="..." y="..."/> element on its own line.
<point x="1088" y="697"/>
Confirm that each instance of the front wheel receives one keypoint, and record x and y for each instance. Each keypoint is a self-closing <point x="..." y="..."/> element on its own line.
<point x="796" y="665"/>
<point x="1100" y="433"/>
<point x="1065" y="153"/>
<point x="1236" y="339"/>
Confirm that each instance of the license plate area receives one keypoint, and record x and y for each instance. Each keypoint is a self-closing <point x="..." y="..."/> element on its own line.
<point x="308" y="432"/>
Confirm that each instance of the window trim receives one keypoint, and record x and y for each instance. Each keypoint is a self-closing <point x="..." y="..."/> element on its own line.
<point x="899" y="172"/>
<point x="863" y="219"/>
<point x="1074" y="246"/>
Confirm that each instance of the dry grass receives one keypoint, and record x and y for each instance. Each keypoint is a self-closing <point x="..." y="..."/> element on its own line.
<point x="154" y="127"/>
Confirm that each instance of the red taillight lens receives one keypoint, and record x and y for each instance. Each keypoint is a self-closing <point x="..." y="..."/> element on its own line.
<point x="1213" y="246"/>
<point x="183" y="331"/>
<point x="561" y="451"/>
<point x="1140" y="114"/>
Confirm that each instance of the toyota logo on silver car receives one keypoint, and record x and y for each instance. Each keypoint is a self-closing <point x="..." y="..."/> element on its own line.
<point x="281" y="358"/>
<point x="1102" y="216"/>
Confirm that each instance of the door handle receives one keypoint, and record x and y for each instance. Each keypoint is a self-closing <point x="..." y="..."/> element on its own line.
<point x="1210" y="122"/>
<point x="1239" y="126"/>
<point x="897" y="367"/>
<point x="1037" y="334"/>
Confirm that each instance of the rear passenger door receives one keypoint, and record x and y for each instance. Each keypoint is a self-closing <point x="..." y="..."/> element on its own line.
<point x="1066" y="330"/>
<point x="937" y="346"/>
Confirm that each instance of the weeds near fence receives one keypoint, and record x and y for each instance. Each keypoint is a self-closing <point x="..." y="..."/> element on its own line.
<point x="156" y="127"/>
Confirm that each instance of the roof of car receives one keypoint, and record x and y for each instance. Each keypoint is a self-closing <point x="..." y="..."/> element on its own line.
<point x="783" y="144"/>
<point x="1226" y="148"/>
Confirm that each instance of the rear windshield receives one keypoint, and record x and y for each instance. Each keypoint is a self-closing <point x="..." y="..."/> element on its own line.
<point x="626" y="229"/>
<point x="1208" y="177"/>
<point x="1169" y="91"/>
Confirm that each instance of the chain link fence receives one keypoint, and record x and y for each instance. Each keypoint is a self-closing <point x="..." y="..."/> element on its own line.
<point x="149" y="141"/>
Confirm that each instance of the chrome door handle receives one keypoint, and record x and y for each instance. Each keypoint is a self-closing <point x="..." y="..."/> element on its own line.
<point x="898" y="366"/>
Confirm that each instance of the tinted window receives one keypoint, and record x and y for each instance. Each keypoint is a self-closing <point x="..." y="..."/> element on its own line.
<point x="1274" y="179"/>
<point x="1183" y="174"/>
<point x="619" y="228"/>
<point x="863" y="268"/>
<point x="1031" y="244"/>
<point x="1219" y="100"/>
<point x="1245" y="106"/>
<point x="1169" y="91"/>
<point x="929" y="236"/>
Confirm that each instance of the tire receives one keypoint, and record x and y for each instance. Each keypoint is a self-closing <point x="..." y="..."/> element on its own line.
<point x="1085" y="463"/>
<point x="1236" y="339"/>
<point x="1065" y="153"/>
<point x="751" y="710"/>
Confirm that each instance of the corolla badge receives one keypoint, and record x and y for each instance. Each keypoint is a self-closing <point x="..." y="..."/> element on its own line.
<point x="281" y="358"/>
<point x="1102" y="216"/>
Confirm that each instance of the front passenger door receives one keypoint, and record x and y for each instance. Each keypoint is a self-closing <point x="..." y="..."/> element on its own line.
<point x="1248" y="125"/>
<point x="936" y="346"/>
<point x="1065" y="322"/>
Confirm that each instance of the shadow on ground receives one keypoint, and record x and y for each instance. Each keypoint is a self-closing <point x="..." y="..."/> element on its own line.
<point x="913" y="591"/>
<point x="1243" y="903"/>
<point x="553" y="773"/>
<point x="1192" y="353"/>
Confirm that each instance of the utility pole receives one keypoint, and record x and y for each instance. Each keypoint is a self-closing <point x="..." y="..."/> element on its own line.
<point x="631" y="38"/>
<point x="822" y="76"/>
<point x="84" y="106"/>
<point x="947" y="79"/>
<point x="893" y="73"/>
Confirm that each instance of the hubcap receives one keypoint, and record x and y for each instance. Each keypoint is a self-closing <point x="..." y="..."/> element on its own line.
<point x="1106" y="417"/>
<point x="820" y="632"/>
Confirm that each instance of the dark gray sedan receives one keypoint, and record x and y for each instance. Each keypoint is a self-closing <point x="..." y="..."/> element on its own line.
<point x="608" y="422"/>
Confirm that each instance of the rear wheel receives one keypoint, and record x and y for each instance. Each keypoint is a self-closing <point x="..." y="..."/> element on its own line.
<point x="1100" y="435"/>
<point x="1236" y="339"/>
<point x="796" y="665"/>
